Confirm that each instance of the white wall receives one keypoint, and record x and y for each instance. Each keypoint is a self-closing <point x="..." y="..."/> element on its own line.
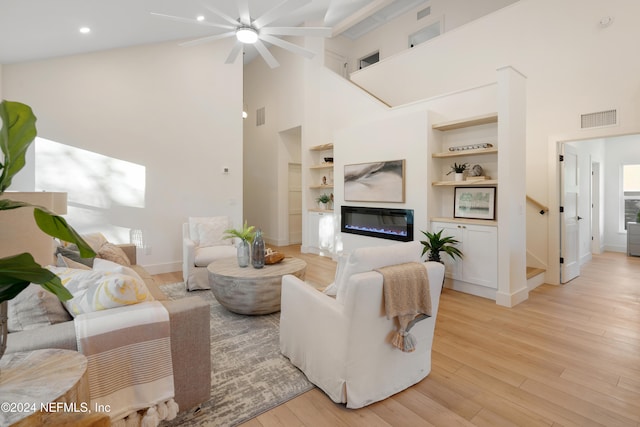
<point x="280" y="92"/>
<point x="393" y="37"/>
<point x="397" y="135"/>
<point x="569" y="61"/>
<point x="176" y="111"/>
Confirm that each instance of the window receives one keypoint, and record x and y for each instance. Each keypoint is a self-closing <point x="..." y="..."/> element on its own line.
<point x="427" y="33"/>
<point x="369" y="60"/>
<point x="630" y="193"/>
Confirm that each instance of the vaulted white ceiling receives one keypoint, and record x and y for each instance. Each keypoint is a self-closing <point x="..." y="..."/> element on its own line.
<point x="38" y="29"/>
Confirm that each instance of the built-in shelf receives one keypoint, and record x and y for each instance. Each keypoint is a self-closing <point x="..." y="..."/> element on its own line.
<point x="474" y="152"/>
<point x="320" y="187"/>
<point x="466" y="221"/>
<point x="473" y="183"/>
<point x="468" y="122"/>
<point x="322" y="147"/>
<point x="322" y="166"/>
<point x="320" y="210"/>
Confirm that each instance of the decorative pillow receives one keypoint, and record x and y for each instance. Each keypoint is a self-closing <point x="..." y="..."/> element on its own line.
<point x="63" y="261"/>
<point x="112" y="252"/>
<point x="208" y="231"/>
<point x="72" y="252"/>
<point x="95" y="240"/>
<point x="100" y="290"/>
<point x="211" y="235"/>
<point x="113" y="267"/>
<point x="33" y="308"/>
<point x="368" y="259"/>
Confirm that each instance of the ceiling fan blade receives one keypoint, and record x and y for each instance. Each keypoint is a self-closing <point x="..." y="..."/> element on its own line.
<point x="208" y="39"/>
<point x="221" y="14"/>
<point x="266" y="55"/>
<point x="243" y="9"/>
<point x="283" y="9"/>
<point x="297" y="31"/>
<point x="192" y="21"/>
<point x="288" y="46"/>
<point x="234" y="52"/>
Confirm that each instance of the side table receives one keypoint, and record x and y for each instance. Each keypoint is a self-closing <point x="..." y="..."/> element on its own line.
<point x="39" y="384"/>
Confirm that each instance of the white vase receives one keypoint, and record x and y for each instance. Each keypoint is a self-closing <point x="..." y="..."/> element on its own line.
<point x="459" y="176"/>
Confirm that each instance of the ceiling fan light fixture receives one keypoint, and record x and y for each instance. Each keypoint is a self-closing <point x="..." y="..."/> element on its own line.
<point x="247" y="35"/>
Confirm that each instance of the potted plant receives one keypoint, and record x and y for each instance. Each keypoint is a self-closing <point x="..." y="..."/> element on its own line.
<point x="245" y="234"/>
<point x="458" y="169"/>
<point x="17" y="272"/>
<point x="435" y="244"/>
<point x="323" y="201"/>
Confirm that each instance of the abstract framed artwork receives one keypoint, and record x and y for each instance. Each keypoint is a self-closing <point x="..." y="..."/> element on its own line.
<point x="375" y="182"/>
<point x="475" y="202"/>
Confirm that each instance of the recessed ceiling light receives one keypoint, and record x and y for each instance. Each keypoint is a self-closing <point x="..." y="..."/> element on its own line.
<point x="200" y="18"/>
<point x="85" y="30"/>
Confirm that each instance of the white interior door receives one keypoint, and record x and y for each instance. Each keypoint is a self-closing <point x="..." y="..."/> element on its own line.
<point x="295" y="203"/>
<point x="569" y="229"/>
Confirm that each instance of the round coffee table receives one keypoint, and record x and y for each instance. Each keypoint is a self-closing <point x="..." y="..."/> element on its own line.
<point x="251" y="290"/>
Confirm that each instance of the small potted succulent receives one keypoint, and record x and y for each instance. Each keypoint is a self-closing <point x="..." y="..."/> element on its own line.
<point x="324" y="201"/>
<point x="435" y="244"/>
<point x="458" y="169"/>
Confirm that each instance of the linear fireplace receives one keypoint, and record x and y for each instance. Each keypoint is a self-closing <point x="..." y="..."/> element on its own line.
<point x="393" y="224"/>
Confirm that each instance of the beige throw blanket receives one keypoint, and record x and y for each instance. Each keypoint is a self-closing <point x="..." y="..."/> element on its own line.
<point x="407" y="297"/>
<point x="129" y="362"/>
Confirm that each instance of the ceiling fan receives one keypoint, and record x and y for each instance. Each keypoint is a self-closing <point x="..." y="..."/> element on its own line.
<point x="256" y="31"/>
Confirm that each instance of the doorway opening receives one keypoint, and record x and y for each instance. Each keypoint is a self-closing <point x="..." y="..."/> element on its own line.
<point x="601" y="211"/>
<point x="290" y="184"/>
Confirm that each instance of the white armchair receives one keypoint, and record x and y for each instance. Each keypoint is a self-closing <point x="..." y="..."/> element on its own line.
<point x="343" y="345"/>
<point x="202" y="243"/>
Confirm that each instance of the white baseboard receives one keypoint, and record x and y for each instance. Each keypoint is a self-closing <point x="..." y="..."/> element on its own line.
<point x="535" y="281"/>
<point x="168" y="267"/>
<point x="513" y="299"/>
<point x="470" y="288"/>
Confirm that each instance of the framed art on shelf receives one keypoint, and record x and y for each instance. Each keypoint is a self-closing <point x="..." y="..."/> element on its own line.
<point x="475" y="203"/>
<point x="375" y="182"/>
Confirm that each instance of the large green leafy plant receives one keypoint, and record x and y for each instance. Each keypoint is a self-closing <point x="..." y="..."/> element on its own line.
<point x="18" y="271"/>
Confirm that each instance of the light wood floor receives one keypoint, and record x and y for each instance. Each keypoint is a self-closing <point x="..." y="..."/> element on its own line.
<point x="568" y="356"/>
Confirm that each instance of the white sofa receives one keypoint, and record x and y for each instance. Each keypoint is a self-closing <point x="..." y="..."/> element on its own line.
<point x="343" y="344"/>
<point x="203" y="243"/>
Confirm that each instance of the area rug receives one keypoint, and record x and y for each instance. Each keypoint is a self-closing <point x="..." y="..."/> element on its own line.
<point x="249" y="376"/>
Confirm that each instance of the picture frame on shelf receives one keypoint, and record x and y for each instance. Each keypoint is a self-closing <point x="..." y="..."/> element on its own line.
<point x="474" y="203"/>
<point x="375" y="182"/>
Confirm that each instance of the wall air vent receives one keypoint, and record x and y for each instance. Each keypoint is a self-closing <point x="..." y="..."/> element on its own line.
<point x="424" y="12"/>
<point x="599" y="119"/>
<point x="260" y="116"/>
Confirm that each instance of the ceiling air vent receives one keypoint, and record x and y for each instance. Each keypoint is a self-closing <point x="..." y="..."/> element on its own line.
<point x="424" y="12"/>
<point x="260" y="118"/>
<point x="599" y="119"/>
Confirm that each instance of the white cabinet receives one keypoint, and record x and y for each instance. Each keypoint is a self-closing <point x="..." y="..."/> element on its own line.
<point x="479" y="246"/>
<point x="320" y="232"/>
